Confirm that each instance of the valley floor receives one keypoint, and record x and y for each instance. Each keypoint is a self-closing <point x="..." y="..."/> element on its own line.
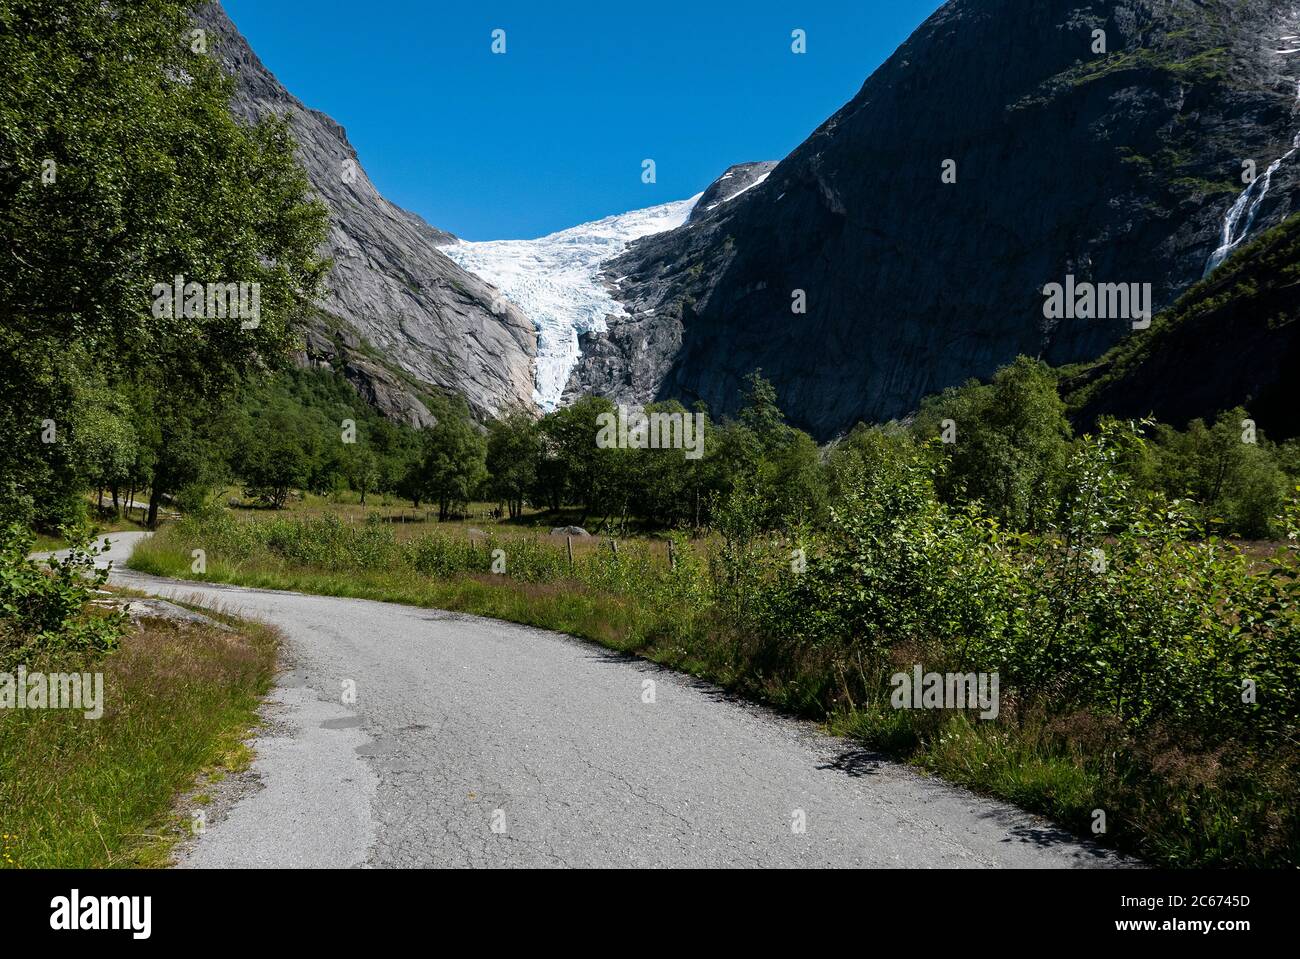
<point x="473" y="742"/>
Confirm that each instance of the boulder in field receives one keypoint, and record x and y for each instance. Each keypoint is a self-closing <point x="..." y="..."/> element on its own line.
<point x="569" y="531"/>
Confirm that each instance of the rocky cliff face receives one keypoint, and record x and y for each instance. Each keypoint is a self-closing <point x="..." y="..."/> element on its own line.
<point x="1114" y="167"/>
<point x="631" y="359"/>
<point x="343" y="352"/>
<point x="390" y="287"/>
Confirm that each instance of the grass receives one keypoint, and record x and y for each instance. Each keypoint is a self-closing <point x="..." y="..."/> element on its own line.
<point x="409" y="521"/>
<point x="45" y="543"/>
<point x="569" y="607"/>
<point x="1014" y="765"/>
<point x="179" y="700"/>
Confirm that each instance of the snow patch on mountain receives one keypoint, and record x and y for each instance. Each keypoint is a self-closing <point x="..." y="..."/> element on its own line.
<point x="556" y="281"/>
<point x="732" y="196"/>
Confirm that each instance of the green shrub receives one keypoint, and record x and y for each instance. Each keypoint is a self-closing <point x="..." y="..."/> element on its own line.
<point x="43" y="610"/>
<point x="1116" y="607"/>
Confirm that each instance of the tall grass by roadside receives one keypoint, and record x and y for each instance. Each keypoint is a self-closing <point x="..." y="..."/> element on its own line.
<point x="1146" y="674"/>
<point x="85" y="793"/>
<point x="624" y="601"/>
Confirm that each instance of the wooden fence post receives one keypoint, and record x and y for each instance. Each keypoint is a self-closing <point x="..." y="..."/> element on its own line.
<point x="614" y="543"/>
<point x="672" y="554"/>
<point x="568" y="540"/>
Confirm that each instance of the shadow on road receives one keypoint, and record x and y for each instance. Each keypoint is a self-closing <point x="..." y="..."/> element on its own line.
<point x="856" y="762"/>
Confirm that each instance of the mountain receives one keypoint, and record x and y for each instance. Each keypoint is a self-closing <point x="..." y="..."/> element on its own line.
<point x="1232" y="340"/>
<point x="400" y="318"/>
<point x="555" y="280"/>
<point x="999" y="150"/>
<point x="561" y="282"/>
<point x="1122" y="166"/>
<point x="631" y="358"/>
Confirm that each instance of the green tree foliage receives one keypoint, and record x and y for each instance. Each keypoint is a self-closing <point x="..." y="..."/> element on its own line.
<point x="573" y="469"/>
<point x="1116" y="607"/>
<point x="312" y="431"/>
<point x="453" y="468"/>
<point x="514" y="449"/>
<point x="1229" y="470"/>
<point x="122" y="168"/>
<point x="762" y="450"/>
<point x="275" y="467"/>
<point x="761" y="414"/>
<point x="106" y="445"/>
<point x="365" y="476"/>
<point x="866" y="450"/>
<point x="1010" y="442"/>
<point x="560" y="462"/>
<point x="664" y="486"/>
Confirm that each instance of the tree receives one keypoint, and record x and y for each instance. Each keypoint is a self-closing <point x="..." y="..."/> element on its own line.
<point x="366" y="476"/>
<point x="761" y="414"/>
<point x="655" y="481"/>
<point x="104" y="439"/>
<point x="1230" y="470"/>
<point x="121" y="168"/>
<point x="453" y="467"/>
<point x="275" y="461"/>
<point x="195" y="453"/>
<point x="573" y="468"/>
<point x="1010" y="442"/>
<point x="514" y="449"/>
<point x="793" y="474"/>
<point x="777" y="463"/>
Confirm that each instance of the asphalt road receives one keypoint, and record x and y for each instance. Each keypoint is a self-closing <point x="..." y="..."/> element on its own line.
<point x="473" y="742"/>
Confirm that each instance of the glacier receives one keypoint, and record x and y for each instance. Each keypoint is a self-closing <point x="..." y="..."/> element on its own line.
<point x="556" y="281"/>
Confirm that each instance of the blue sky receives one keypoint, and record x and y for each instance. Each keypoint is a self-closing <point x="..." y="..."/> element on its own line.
<point x="553" y="132"/>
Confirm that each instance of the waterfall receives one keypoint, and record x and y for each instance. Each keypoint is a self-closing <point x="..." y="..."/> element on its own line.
<point x="1241" y="215"/>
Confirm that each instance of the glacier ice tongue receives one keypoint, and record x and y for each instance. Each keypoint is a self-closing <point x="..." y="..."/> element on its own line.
<point x="556" y="281"/>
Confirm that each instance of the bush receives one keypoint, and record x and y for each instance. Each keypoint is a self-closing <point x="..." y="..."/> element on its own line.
<point x="1116" y="607"/>
<point x="43" y="610"/>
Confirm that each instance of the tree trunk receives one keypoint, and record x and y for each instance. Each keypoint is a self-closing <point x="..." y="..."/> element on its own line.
<point x="155" y="496"/>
